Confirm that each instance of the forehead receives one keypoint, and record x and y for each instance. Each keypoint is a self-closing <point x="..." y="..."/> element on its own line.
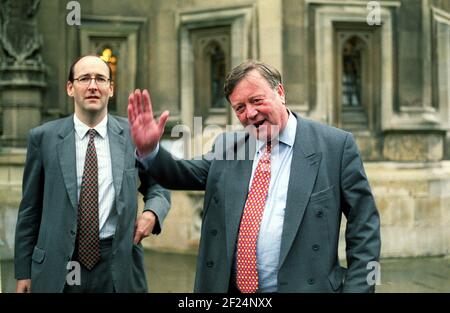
<point x="90" y="64"/>
<point x="251" y="85"/>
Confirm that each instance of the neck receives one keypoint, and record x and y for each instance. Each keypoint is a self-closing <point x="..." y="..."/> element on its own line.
<point x="91" y="119"/>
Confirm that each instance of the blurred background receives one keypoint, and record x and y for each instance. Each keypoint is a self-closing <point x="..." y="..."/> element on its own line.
<point x="380" y="69"/>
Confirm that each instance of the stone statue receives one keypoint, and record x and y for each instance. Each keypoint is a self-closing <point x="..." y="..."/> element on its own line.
<point x="19" y="38"/>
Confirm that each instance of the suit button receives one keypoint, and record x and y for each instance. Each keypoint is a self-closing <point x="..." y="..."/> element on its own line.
<point x="210" y="264"/>
<point x="311" y="281"/>
<point x="315" y="247"/>
<point x="72" y="232"/>
<point x="214" y="232"/>
<point x="319" y="213"/>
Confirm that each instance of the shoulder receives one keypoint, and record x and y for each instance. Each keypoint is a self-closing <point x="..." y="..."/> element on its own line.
<point x="122" y="121"/>
<point x="51" y="127"/>
<point x="118" y="123"/>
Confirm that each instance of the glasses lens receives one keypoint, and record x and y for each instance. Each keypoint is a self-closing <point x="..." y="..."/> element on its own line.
<point x="84" y="79"/>
<point x="101" y="80"/>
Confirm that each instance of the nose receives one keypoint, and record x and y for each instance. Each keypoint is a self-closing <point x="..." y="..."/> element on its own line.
<point x="92" y="85"/>
<point x="251" y="112"/>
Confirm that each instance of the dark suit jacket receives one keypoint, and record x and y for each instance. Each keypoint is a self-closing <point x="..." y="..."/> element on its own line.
<point x="47" y="220"/>
<point x="327" y="179"/>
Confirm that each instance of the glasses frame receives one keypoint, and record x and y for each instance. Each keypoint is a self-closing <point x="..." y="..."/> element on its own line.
<point x="93" y="77"/>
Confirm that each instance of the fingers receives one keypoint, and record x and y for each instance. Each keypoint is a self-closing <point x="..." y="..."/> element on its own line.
<point x="147" y="102"/>
<point x="163" y="120"/>
<point x="137" y="102"/>
<point x="137" y="238"/>
<point x="23" y="286"/>
<point x="131" y="115"/>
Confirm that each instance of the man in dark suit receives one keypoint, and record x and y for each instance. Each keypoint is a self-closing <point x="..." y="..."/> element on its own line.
<point x="77" y="229"/>
<point x="271" y="217"/>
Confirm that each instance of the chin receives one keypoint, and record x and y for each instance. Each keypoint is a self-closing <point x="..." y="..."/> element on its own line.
<point x="262" y="135"/>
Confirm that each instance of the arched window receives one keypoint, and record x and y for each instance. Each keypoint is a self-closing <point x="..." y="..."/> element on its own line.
<point x="211" y="51"/>
<point x="355" y="77"/>
<point x="352" y="72"/>
<point x="217" y="70"/>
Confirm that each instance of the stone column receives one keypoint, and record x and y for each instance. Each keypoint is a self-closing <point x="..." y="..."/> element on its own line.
<point x="22" y="72"/>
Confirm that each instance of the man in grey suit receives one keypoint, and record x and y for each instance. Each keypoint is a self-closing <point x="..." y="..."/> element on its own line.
<point x="77" y="229"/>
<point x="271" y="216"/>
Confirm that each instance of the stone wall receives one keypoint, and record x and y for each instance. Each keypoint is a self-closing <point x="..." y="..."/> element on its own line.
<point x="11" y="172"/>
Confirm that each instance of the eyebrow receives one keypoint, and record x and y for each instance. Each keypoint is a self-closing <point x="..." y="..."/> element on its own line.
<point x="92" y="74"/>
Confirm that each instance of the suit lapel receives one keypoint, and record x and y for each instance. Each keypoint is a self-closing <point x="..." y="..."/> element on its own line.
<point x="117" y="149"/>
<point x="236" y="190"/>
<point x="67" y="159"/>
<point x="304" y="168"/>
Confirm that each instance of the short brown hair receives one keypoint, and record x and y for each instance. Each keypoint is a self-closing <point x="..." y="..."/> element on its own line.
<point x="71" y="74"/>
<point x="271" y="75"/>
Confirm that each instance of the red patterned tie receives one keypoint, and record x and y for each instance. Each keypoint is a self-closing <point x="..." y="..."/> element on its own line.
<point x="88" y="232"/>
<point x="247" y="274"/>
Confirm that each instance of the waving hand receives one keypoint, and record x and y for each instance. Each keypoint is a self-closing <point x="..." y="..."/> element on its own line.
<point x="145" y="130"/>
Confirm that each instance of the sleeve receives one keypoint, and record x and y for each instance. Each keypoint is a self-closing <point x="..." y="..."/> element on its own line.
<point x="30" y="210"/>
<point x="362" y="234"/>
<point x="146" y="161"/>
<point x="156" y="199"/>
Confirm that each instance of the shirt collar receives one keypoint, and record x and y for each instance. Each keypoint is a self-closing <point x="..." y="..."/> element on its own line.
<point x="287" y="136"/>
<point x="81" y="129"/>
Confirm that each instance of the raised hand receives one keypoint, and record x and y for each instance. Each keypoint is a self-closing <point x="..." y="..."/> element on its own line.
<point x="145" y="130"/>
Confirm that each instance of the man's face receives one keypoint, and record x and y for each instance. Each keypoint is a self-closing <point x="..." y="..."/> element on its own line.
<point x="259" y="107"/>
<point x="90" y="98"/>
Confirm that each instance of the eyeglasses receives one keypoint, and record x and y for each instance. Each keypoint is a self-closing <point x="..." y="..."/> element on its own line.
<point x="100" y="80"/>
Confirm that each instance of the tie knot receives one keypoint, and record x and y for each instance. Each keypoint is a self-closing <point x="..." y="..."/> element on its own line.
<point x="269" y="147"/>
<point x="91" y="133"/>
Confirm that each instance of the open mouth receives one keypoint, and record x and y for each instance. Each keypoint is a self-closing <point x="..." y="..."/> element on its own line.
<point x="257" y="124"/>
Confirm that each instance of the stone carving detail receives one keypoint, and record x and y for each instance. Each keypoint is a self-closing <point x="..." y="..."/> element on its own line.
<point x="20" y="41"/>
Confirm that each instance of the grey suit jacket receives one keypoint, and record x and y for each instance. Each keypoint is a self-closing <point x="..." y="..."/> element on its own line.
<point x="327" y="179"/>
<point x="47" y="220"/>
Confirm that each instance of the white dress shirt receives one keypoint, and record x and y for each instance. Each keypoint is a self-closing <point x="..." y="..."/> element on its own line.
<point x="106" y="192"/>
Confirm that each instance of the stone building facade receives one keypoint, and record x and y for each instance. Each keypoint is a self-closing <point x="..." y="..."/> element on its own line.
<point x="380" y="69"/>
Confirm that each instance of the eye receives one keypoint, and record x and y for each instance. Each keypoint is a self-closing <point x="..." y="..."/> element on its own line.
<point x="84" y="79"/>
<point x="239" y="108"/>
<point x="101" y="79"/>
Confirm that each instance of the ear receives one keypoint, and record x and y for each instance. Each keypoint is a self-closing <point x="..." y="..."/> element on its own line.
<point x="69" y="88"/>
<point x="280" y="91"/>
<point x="111" y="89"/>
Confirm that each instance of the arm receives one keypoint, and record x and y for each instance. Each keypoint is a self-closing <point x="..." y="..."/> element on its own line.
<point x="362" y="235"/>
<point x="157" y="205"/>
<point x="146" y="134"/>
<point x="29" y="216"/>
